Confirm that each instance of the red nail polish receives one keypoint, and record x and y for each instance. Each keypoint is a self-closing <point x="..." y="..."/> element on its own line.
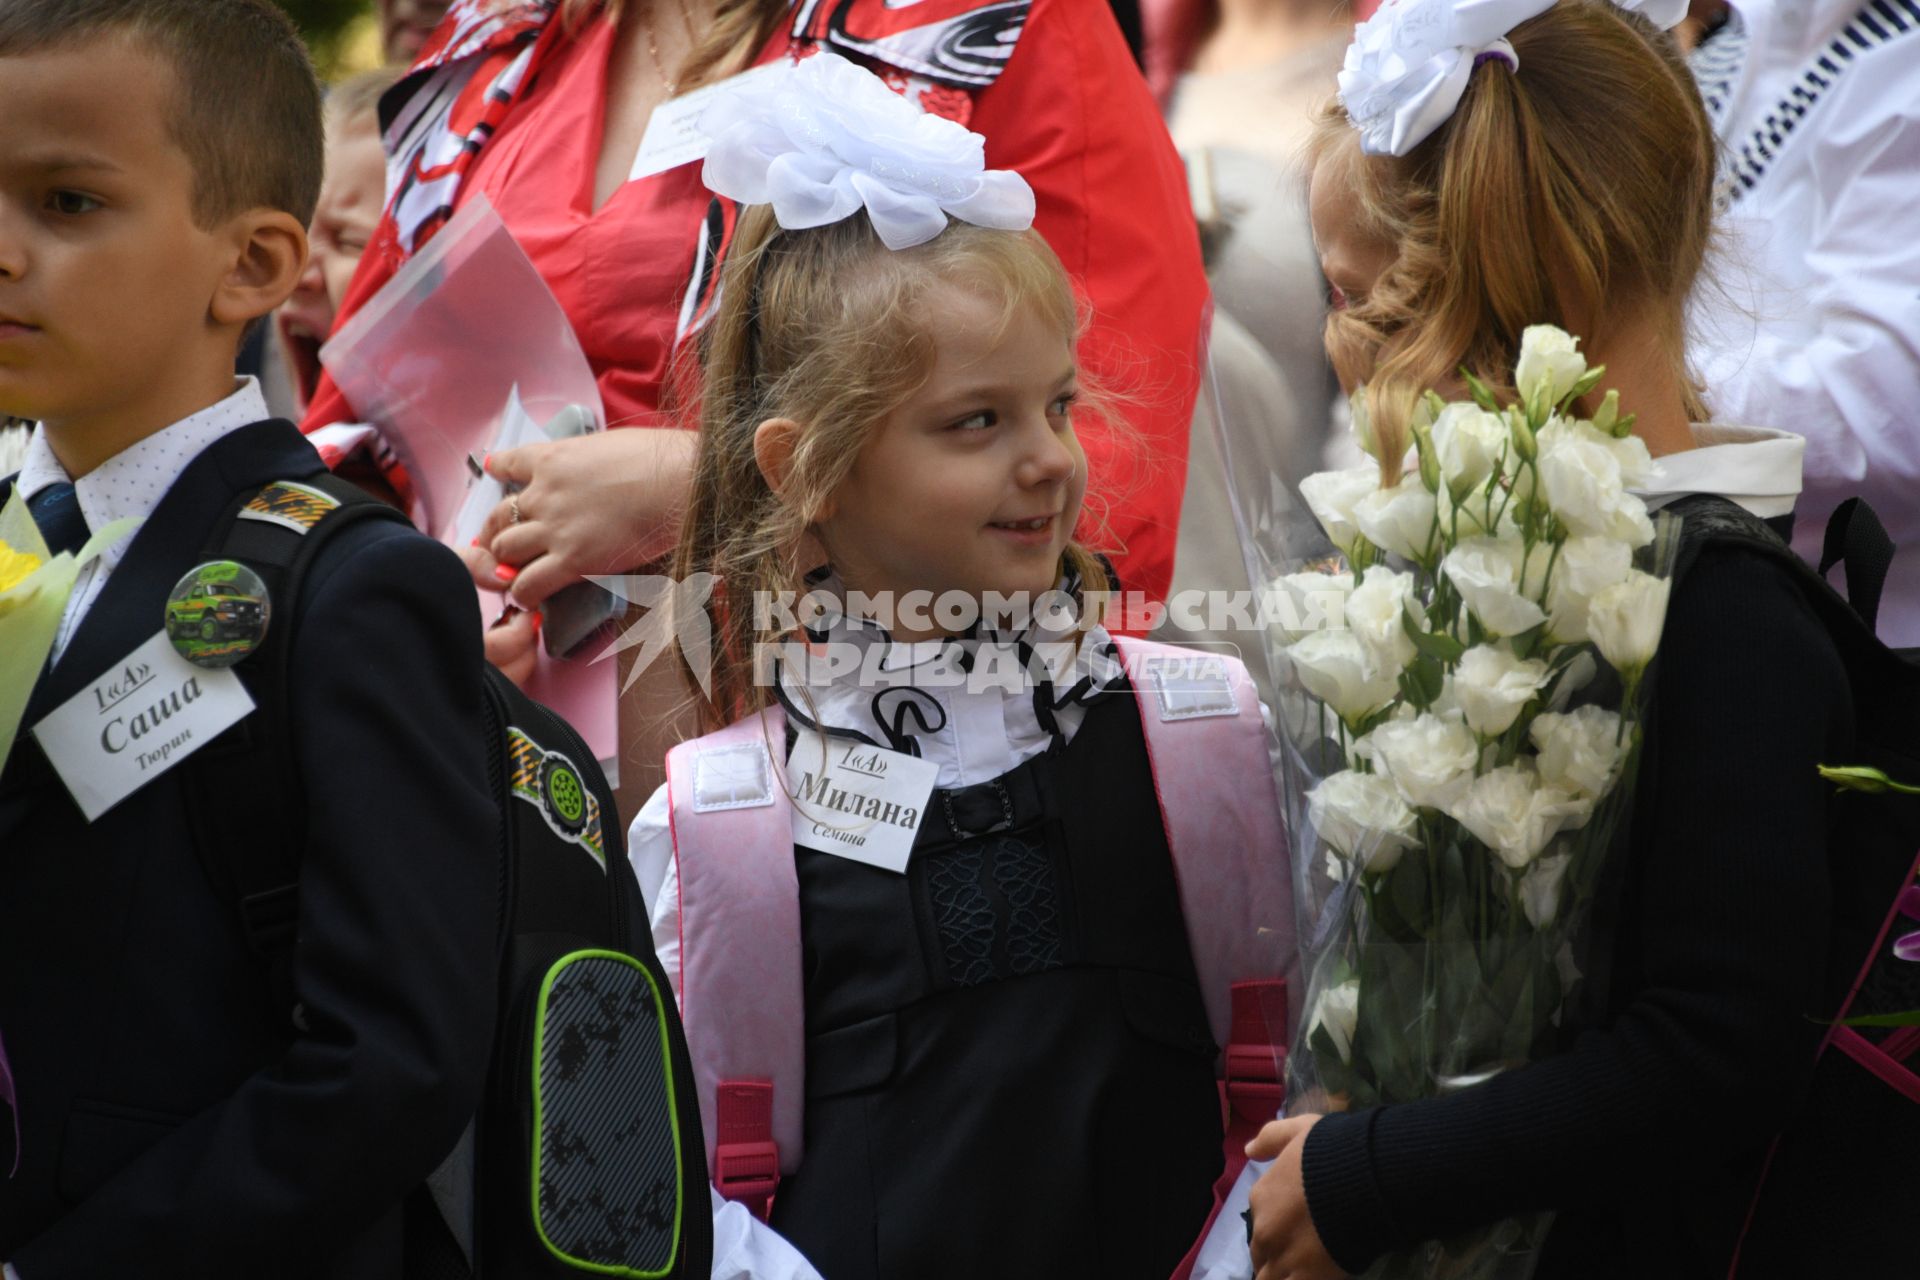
<point x="474" y="543"/>
<point x="505" y="572"/>
<point x="538" y="617"/>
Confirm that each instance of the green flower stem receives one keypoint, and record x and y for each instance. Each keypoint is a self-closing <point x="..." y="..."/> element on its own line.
<point x="1546" y="580"/>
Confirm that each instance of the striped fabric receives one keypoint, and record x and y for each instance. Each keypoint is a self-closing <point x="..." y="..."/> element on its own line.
<point x="1879" y="23"/>
<point x="1717" y="63"/>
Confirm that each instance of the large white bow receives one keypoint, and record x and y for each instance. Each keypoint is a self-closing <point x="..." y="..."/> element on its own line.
<point x="1409" y="63"/>
<point x="823" y="137"/>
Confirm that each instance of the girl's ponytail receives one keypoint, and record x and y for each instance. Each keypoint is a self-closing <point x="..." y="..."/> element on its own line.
<point x="1573" y="187"/>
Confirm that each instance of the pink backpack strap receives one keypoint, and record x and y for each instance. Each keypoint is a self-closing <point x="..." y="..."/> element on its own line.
<point x="740" y="962"/>
<point x="1207" y="745"/>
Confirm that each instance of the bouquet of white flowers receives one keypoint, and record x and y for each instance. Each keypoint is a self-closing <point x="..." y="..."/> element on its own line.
<point x="1463" y="735"/>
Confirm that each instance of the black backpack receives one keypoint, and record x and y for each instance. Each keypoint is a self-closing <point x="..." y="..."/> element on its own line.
<point x="586" y="1156"/>
<point x="1836" y="1194"/>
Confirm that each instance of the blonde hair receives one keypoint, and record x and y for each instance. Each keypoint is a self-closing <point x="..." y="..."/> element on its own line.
<point x="1571" y="191"/>
<point x="826" y="327"/>
<point x="733" y="35"/>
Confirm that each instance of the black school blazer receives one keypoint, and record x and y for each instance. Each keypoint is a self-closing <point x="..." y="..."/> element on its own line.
<point x="174" y="1122"/>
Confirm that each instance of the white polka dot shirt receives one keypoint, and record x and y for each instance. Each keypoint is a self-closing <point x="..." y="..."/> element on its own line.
<point x="131" y="484"/>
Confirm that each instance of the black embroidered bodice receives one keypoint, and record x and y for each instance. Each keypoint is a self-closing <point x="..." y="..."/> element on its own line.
<point x="1009" y="1069"/>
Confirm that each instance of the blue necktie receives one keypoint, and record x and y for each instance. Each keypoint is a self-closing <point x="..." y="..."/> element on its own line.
<point x="56" y="509"/>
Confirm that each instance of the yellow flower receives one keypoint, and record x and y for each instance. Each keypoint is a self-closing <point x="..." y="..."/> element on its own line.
<point x="15" y="567"/>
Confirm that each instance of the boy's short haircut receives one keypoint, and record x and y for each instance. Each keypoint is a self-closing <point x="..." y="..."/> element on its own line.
<point x="247" y="105"/>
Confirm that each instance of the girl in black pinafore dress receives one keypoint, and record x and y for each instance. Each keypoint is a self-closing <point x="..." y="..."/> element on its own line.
<point x="1009" y="1068"/>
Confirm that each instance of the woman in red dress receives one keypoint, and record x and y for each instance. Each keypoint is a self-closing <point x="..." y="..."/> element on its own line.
<point x="541" y="106"/>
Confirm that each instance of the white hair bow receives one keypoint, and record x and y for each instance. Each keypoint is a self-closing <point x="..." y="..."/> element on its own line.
<point x="821" y="138"/>
<point x="1409" y="63"/>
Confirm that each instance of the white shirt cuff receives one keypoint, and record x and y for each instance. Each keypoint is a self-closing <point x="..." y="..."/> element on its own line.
<point x="745" y="1248"/>
<point x="1224" y="1255"/>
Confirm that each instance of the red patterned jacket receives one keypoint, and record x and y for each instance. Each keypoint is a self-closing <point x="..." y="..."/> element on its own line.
<point x="1052" y="87"/>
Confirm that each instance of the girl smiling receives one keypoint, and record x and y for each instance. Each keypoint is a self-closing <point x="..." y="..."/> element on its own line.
<point x="996" y="1051"/>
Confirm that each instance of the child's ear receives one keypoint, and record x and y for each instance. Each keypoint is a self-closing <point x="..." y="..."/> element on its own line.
<point x="773" y="444"/>
<point x="269" y="253"/>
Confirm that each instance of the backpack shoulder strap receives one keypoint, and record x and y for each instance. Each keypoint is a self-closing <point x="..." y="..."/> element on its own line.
<point x="1207" y="746"/>
<point x="247" y="780"/>
<point x="740" y="957"/>
<point x="1855" y="539"/>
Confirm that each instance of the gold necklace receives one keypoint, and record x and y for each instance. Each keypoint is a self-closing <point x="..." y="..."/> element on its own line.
<point x="653" y="55"/>
<point x="671" y="84"/>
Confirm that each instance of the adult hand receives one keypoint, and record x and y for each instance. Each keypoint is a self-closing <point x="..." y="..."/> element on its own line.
<point x="509" y="641"/>
<point x="1285" y="1245"/>
<point x="601" y="503"/>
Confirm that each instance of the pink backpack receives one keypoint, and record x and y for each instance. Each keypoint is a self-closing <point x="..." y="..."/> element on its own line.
<point x="740" y="953"/>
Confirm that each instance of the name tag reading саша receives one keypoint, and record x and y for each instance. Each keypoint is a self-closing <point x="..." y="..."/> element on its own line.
<point x="135" y="721"/>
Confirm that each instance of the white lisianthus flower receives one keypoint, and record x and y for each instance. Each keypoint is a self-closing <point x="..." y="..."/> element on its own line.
<point x="1540" y="888"/>
<point x="1513" y="813"/>
<point x="1374" y="613"/>
<point x="1300" y="603"/>
<point x="1550" y="363"/>
<point x="1335" y="667"/>
<point x="1585" y="487"/>
<point x="1332" y="495"/>
<point x="1577" y="750"/>
<point x="1626" y="620"/>
<point x="1637" y="467"/>
<point x="1400" y="520"/>
<point x="1487" y="573"/>
<point x="1584" y="567"/>
<point x="1578" y="675"/>
<point x="1492" y="685"/>
<point x="1470" y="444"/>
<point x="1430" y="758"/>
<point x="1337" y="1010"/>
<point x="1363" y="817"/>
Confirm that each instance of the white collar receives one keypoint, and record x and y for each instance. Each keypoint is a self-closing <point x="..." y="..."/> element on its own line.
<point x="132" y="482"/>
<point x="1753" y="467"/>
<point x="975" y="706"/>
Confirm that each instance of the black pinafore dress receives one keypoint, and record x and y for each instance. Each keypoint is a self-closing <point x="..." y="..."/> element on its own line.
<point x="1009" y="1068"/>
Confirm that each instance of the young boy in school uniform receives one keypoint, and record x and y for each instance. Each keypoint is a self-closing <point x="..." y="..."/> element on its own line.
<point x="172" y="1114"/>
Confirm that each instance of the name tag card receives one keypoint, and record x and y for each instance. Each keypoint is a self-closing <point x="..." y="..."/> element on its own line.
<point x="858" y="801"/>
<point x="136" y="721"/>
<point x="673" y="136"/>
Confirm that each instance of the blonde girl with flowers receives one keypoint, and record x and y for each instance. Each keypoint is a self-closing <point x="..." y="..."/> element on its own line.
<point x="1494" y="165"/>
<point x="958" y="979"/>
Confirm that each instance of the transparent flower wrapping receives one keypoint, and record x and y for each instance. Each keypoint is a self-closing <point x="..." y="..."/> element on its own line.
<point x="34" y="587"/>
<point x="1458" y="742"/>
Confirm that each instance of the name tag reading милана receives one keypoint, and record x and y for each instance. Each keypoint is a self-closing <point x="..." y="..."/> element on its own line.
<point x="138" y="719"/>
<point x="857" y="800"/>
